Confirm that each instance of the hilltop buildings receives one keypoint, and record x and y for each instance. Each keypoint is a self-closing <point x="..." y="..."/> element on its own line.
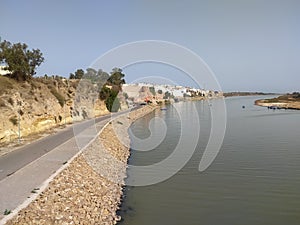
<point x="144" y="92"/>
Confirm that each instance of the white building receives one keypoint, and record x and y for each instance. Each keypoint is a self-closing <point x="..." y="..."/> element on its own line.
<point x="3" y="71"/>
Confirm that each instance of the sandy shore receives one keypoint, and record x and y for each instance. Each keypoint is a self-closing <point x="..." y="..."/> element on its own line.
<point x="89" y="190"/>
<point x="279" y="104"/>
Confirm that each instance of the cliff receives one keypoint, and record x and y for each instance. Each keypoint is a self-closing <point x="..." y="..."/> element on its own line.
<point x="44" y="103"/>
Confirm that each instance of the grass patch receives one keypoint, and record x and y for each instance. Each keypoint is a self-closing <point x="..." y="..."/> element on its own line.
<point x="272" y="100"/>
<point x="7" y="212"/>
<point x="35" y="84"/>
<point x="11" y="101"/>
<point x="58" y="96"/>
<point x="284" y="98"/>
<point x="14" y="120"/>
<point x="152" y="90"/>
<point x="34" y="191"/>
<point x="6" y="84"/>
<point x="2" y="103"/>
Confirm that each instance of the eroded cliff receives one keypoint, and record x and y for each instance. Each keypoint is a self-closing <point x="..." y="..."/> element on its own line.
<point x="43" y="103"/>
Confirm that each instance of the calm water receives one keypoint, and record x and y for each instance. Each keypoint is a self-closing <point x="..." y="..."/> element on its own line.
<point x="255" y="178"/>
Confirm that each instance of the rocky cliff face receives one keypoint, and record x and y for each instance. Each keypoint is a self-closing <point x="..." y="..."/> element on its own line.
<point x="44" y="103"/>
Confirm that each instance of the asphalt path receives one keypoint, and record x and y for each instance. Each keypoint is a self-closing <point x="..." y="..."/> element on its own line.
<point x="17" y="159"/>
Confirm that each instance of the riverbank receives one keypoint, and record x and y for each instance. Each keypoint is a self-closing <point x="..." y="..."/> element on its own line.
<point x="261" y="147"/>
<point x="243" y="93"/>
<point x="89" y="189"/>
<point x="282" y="102"/>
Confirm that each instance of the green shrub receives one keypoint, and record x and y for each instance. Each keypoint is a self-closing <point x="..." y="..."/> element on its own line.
<point x="125" y="95"/>
<point x="11" y="101"/>
<point x="112" y="102"/>
<point x="6" y="212"/>
<point x="104" y="93"/>
<point x="14" y="120"/>
<point x="58" y="96"/>
<point x="152" y="90"/>
<point x="84" y="114"/>
<point x="2" y="103"/>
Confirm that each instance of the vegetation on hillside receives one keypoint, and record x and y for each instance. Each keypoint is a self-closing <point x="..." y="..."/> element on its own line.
<point x="168" y="95"/>
<point x="232" y="94"/>
<point x="6" y="84"/>
<point x="19" y="61"/>
<point x="152" y="90"/>
<point x="107" y="85"/>
<point x="293" y="97"/>
<point x="111" y="88"/>
<point x="77" y="75"/>
<point x="58" y="96"/>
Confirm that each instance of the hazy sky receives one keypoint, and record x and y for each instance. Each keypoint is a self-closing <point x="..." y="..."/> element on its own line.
<point x="250" y="45"/>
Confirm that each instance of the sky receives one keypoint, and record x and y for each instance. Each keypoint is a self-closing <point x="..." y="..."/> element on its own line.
<point x="249" y="45"/>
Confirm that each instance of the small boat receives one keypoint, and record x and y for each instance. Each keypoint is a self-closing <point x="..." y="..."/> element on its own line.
<point x="272" y="107"/>
<point x="163" y="108"/>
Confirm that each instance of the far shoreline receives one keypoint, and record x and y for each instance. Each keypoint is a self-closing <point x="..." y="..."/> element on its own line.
<point x="288" y="101"/>
<point x="241" y="94"/>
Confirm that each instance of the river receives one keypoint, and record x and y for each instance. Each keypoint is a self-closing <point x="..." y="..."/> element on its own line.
<point x="255" y="178"/>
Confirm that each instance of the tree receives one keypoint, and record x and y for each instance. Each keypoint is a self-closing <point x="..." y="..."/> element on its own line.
<point x="79" y="73"/>
<point x="91" y="74"/>
<point x="102" y="78"/>
<point x="152" y="90"/>
<point x="125" y="95"/>
<point x="167" y="95"/>
<point x="109" y="87"/>
<point x="112" y="102"/>
<point x="159" y="92"/>
<point x="104" y="93"/>
<point x="116" y="79"/>
<point x="19" y="60"/>
<point x="72" y="76"/>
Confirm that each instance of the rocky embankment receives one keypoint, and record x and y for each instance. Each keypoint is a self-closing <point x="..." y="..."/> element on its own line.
<point x="40" y="104"/>
<point x="89" y="189"/>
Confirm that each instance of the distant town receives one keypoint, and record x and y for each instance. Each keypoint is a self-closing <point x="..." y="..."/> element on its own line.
<point x="146" y="92"/>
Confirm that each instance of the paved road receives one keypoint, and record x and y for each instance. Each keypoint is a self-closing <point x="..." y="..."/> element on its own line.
<point x="17" y="159"/>
<point x="27" y="168"/>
